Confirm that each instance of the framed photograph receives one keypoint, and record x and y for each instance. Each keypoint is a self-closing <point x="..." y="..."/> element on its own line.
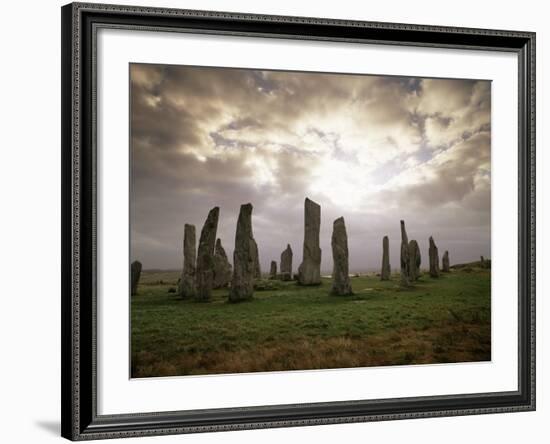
<point x="282" y="221"/>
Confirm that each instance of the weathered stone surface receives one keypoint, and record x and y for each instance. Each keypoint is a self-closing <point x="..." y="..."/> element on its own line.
<point x="135" y="273"/>
<point x="273" y="270"/>
<point x="222" y="267"/>
<point x="205" y="256"/>
<point x="309" y="271"/>
<point x="414" y="261"/>
<point x="445" y="265"/>
<point x="386" y="269"/>
<point x="341" y="284"/>
<point x="187" y="287"/>
<point x="257" y="269"/>
<point x="286" y="264"/>
<point x="434" y="259"/>
<point x="244" y="258"/>
<point x="404" y="257"/>
<point x="418" y="261"/>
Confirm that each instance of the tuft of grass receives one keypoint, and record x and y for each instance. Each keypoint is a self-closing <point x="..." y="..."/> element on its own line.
<point x="289" y="327"/>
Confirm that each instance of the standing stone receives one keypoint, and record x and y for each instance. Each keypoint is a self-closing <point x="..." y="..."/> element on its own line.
<point x="257" y="269"/>
<point x="445" y="263"/>
<point x="309" y="271"/>
<point x="222" y="267"/>
<point x="414" y="261"/>
<point x="434" y="259"/>
<point x="404" y="257"/>
<point x="205" y="256"/>
<point x="286" y="264"/>
<point x="418" y="261"/>
<point x="386" y="269"/>
<point x="187" y="287"/>
<point x="244" y="258"/>
<point x="135" y="273"/>
<point x="341" y="284"/>
<point x="482" y="262"/>
<point x="273" y="270"/>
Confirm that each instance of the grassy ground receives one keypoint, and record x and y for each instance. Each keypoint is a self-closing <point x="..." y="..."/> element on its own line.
<point x="291" y="327"/>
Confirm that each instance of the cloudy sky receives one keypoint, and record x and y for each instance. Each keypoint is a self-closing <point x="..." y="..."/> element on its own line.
<point x="373" y="149"/>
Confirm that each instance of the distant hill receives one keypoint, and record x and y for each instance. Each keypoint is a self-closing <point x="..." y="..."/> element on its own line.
<point x="477" y="264"/>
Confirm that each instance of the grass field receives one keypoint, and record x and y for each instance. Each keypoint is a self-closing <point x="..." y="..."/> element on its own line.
<point x="293" y="328"/>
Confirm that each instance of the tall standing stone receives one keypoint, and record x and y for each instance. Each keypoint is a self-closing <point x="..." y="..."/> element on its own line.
<point x="445" y="265"/>
<point x="257" y="269"/>
<point x="418" y="261"/>
<point x="135" y="273"/>
<point x="222" y="267"/>
<point x="386" y="269"/>
<point x="404" y="257"/>
<point x="309" y="271"/>
<point x="286" y="264"/>
<point x="341" y="284"/>
<point x="273" y="270"/>
<point x="434" y="259"/>
<point x="244" y="258"/>
<point x="187" y="287"/>
<point x="482" y="262"/>
<point x="205" y="256"/>
<point x="414" y="261"/>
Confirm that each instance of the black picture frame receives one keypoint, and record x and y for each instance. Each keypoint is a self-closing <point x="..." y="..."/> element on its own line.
<point x="80" y="420"/>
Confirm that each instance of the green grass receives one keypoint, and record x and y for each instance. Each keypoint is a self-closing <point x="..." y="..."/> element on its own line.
<point x="292" y="327"/>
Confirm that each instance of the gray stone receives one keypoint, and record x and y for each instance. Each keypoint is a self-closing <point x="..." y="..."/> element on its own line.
<point x="341" y="284"/>
<point x="485" y="263"/>
<point x="205" y="256"/>
<point x="434" y="259"/>
<point x="273" y="270"/>
<point x="257" y="269"/>
<point x="445" y="265"/>
<point x="386" y="269"/>
<point x="414" y="261"/>
<point x="222" y="267"/>
<point x="244" y="258"/>
<point x="135" y="273"/>
<point x="404" y="257"/>
<point x="418" y="261"/>
<point x="286" y="264"/>
<point x="187" y="287"/>
<point x="309" y="271"/>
